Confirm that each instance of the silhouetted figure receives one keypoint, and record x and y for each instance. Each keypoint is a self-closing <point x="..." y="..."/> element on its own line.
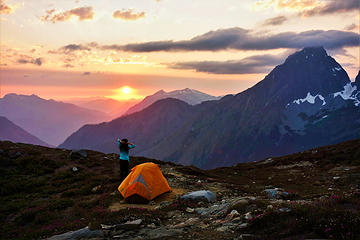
<point x="124" y="147"/>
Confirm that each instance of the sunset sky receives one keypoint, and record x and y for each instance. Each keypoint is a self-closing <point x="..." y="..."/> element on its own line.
<point x="87" y="48"/>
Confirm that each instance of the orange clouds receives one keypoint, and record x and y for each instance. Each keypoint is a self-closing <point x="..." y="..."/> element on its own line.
<point x="128" y="14"/>
<point x="5" y="9"/>
<point x="83" y="13"/>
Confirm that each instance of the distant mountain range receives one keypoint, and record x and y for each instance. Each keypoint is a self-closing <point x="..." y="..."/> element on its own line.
<point x="187" y="95"/>
<point x="111" y="107"/>
<point x="307" y="101"/>
<point x="49" y="120"/>
<point x="11" y="132"/>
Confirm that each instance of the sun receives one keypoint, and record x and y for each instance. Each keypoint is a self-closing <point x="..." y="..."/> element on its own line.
<point x="126" y="90"/>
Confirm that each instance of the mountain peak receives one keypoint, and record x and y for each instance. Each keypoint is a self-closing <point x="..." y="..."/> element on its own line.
<point x="308" y="54"/>
<point x="160" y="92"/>
<point x="357" y="79"/>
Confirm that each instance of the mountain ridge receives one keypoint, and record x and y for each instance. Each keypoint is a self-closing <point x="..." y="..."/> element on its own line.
<point x="264" y="120"/>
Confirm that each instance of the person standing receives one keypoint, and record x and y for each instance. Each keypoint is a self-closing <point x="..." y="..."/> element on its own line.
<point x="124" y="146"/>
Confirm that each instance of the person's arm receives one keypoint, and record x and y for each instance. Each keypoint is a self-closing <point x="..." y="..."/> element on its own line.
<point x="131" y="145"/>
<point x="118" y="142"/>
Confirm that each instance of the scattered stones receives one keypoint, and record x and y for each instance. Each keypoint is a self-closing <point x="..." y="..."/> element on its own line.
<point x="243" y="225"/>
<point x="215" y="210"/>
<point x="79" y="234"/>
<point x="200" y="195"/>
<point x="14" y="154"/>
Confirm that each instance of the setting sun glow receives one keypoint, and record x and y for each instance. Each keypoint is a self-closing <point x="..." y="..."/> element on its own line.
<point x="126" y="90"/>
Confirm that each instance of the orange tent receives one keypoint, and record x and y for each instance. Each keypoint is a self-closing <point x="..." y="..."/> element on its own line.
<point x="144" y="183"/>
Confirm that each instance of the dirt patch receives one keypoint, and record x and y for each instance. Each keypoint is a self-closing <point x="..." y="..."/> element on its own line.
<point x="117" y="206"/>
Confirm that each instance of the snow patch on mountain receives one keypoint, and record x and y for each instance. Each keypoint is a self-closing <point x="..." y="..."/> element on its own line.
<point x="310" y="99"/>
<point x="349" y="93"/>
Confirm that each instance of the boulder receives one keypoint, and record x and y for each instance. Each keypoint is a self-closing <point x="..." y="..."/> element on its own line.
<point x="79" y="234"/>
<point x="77" y="154"/>
<point x="200" y="195"/>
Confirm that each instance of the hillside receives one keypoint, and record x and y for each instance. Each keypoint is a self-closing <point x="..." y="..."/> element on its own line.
<point x="11" y="132"/>
<point x="317" y="197"/>
<point x="307" y="101"/>
<point x="49" y="120"/>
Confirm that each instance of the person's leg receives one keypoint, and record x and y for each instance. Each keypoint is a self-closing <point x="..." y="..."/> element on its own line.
<point x="124" y="169"/>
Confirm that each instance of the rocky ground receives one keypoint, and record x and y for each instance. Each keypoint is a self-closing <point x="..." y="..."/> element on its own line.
<point x="52" y="192"/>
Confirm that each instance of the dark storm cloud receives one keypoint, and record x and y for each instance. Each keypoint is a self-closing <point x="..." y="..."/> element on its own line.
<point x="252" y="64"/>
<point x="275" y="21"/>
<point x="243" y="39"/>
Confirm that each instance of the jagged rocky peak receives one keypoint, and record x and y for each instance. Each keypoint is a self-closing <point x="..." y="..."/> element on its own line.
<point x="357" y="79"/>
<point x="310" y="70"/>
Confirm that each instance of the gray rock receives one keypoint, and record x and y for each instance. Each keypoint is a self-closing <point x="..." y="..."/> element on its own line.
<point x="77" y="154"/>
<point x="1" y="151"/>
<point x="162" y="233"/>
<point x="81" y="233"/>
<point x="213" y="210"/>
<point x="200" y="195"/>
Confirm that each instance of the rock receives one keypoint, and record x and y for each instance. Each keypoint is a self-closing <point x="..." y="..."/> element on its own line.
<point x="233" y="214"/>
<point x="152" y="225"/>
<point x="77" y="154"/>
<point x="336" y="178"/>
<point x="213" y="210"/>
<point x="269" y="207"/>
<point x="248" y="237"/>
<point x="162" y="232"/>
<point x="95" y="189"/>
<point x="222" y="229"/>
<point x="14" y="154"/>
<point x="243" y="225"/>
<point x="107" y="227"/>
<point x="248" y="216"/>
<point x="200" y="195"/>
<point x="81" y="233"/>
<point x="136" y="222"/>
<point x="1" y="151"/>
<point x="285" y="210"/>
<point x="75" y="169"/>
<point x="189" y="210"/>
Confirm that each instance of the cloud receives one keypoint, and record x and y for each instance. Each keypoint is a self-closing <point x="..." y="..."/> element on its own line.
<point x="331" y="7"/>
<point x="352" y="27"/>
<point x="86" y="73"/>
<point x="275" y="20"/>
<point x="83" y="13"/>
<point x="309" y="8"/>
<point x="243" y="39"/>
<point x="68" y="66"/>
<point x="74" y="47"/>
<point x="5" y="9"/>
<point x="128" y="14"/>
<point x="248" y="65"/>
<point x="26" y="60"/>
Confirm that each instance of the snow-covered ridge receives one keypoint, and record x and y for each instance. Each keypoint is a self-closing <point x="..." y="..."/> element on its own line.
<point x="348" y="93"/>
<point x="310" y="99"/>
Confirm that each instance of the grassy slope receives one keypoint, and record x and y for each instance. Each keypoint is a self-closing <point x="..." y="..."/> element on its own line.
<point x="41" y="195"/>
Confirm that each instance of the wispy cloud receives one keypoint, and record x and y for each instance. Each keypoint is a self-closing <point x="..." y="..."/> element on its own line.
<point x="275" y="21"/>
<point x="248" y="65"/>
<point x="26" y="59"/>
<point x="4" y="8"/>
<point x="128" y="14"/>
<point x="243" y="39"/>
<point x="352" y="27"/>
<point x="83" y="13"/>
